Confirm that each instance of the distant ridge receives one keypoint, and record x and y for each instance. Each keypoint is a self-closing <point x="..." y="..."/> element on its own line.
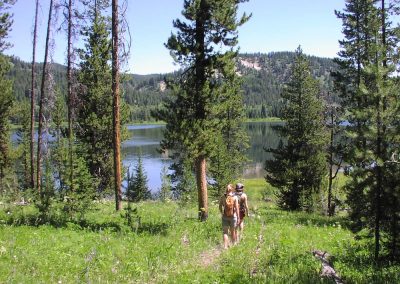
<point x="263" y="78"/>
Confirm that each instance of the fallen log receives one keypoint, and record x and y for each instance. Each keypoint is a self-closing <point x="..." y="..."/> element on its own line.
<point x="327" y="269"/>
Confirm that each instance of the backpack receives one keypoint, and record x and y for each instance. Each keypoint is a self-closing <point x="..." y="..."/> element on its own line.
<point x="229" y="206"/>
<point x="240" y="200"/>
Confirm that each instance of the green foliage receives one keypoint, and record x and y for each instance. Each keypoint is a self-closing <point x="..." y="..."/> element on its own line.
<point x="299" y="166"/>
<point x="369" y="90"/>
<point x="45" y="200"/>
<point x="137" y="189"/>
<point x="94" y="113"/>
<point x="6" y="102"/>
<point x="182" y="177"/>
<point x="132" y="218"/>
<point x="22" y="161"/>
<point x="205" y="110"/>
<point x="165" y="193"/>
<point x="144" y="93"/>
<point x="6" y="22"/>
<point x="171" y="246"/>
<point x="79" y="200"/>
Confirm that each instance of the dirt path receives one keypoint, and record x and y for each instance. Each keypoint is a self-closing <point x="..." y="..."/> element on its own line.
<point x="208" y="257"/>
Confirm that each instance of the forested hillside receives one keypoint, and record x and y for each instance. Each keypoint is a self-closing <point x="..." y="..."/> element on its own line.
<point x="263" y="78"/>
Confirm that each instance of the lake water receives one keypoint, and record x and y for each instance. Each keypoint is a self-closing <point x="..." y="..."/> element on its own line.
<point x="145" y="139"/>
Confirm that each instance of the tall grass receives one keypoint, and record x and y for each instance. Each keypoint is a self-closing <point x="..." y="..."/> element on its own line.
<point x="171" y="246"/>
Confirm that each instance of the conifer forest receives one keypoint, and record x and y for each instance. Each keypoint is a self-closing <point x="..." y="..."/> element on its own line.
<point x="75" y="206"/>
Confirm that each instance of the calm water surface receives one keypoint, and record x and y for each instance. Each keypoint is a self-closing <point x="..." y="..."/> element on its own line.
<point x="145" y="139"/>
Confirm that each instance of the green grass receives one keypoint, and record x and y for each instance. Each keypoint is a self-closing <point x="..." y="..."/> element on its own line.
<point x="170" y="246"/>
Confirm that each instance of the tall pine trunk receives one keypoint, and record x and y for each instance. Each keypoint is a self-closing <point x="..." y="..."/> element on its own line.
<point x="200" y="163"/>
<point x="116" y="111"/>
<point x="41" y="100"/>
<point x="200" y="168"/>
<point x="70" y="98"/>
<point x="33" y="103"/>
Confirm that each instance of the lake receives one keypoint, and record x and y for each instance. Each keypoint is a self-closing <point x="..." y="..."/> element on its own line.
<point x="145" y="139"/>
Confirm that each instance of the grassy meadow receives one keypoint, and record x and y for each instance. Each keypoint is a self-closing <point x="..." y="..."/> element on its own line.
<point x="169" y="245"/>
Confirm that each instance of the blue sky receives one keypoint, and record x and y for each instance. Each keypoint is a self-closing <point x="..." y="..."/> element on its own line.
<point x="275" y="26"/>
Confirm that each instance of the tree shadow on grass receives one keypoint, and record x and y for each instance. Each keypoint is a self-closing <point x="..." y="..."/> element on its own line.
<point x="33" y="220"/>
<point x="321" y="221"/>
<point x="359" y="257"/>
<point x="154" y="228"/>
<point x="97" y="227"/>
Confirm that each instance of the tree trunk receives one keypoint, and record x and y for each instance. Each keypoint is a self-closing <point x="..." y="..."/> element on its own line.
<point x="41" y="100"/>
<point x="330" y="211"/>
<point x="383" y="19"/>
<point x="2" y="190"/>
<point x="380" y="105"/>
<point x="32" y="138"/>
<point x="116" y="115"/>
<point x="200" y="162"/>
<point x="70" y="98"/>
<point x="200" y="168"/>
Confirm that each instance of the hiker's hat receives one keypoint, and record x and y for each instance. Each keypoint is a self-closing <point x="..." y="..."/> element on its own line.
<point x="239" y="186"/>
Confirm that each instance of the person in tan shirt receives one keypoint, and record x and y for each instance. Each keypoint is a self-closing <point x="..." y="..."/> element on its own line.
<point x="243" y="209"/>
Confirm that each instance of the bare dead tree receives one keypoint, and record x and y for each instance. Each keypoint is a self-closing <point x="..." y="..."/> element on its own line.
<point x="70" y="95"/>
<point x="116" y="106"/>
<point x="32" y="138"/>
<point x="42" y="98"/>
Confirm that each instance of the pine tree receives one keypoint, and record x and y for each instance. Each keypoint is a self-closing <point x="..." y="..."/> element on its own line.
<point x="6" y="97"/>
<point x="6" y="22"/>
<point x="23" y="150"/>
<point x="182" y="178"/>
<point x="6" y="102"/>
<point x="372" y="111"/>
<point x="205" y="91"/>
<point x="299" y="166"/>
<point x="94" y="111"/>
<point x="138" y="189"/>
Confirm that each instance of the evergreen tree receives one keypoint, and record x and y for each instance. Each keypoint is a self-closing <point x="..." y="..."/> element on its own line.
<point x="79" y="201"/>
<point x="94" y="113"/>
<point x="6" y="97"/>
<point x="372" y="111"/>
<point x="183" y="178"/>
<point x="6" y="102"/>
<point x="299" y="166"/>
<point x="206" y="90"/>
<point x="6" y="22"/>
<point x="22" y="165"/>
<point x="137" y="188"/>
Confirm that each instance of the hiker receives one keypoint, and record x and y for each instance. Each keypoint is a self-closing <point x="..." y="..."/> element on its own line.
<point x="243" y="209"/>
<point x="229" y="208"/>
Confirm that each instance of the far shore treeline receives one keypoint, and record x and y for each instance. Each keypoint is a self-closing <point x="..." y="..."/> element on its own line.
<point x="263" y="77"/>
